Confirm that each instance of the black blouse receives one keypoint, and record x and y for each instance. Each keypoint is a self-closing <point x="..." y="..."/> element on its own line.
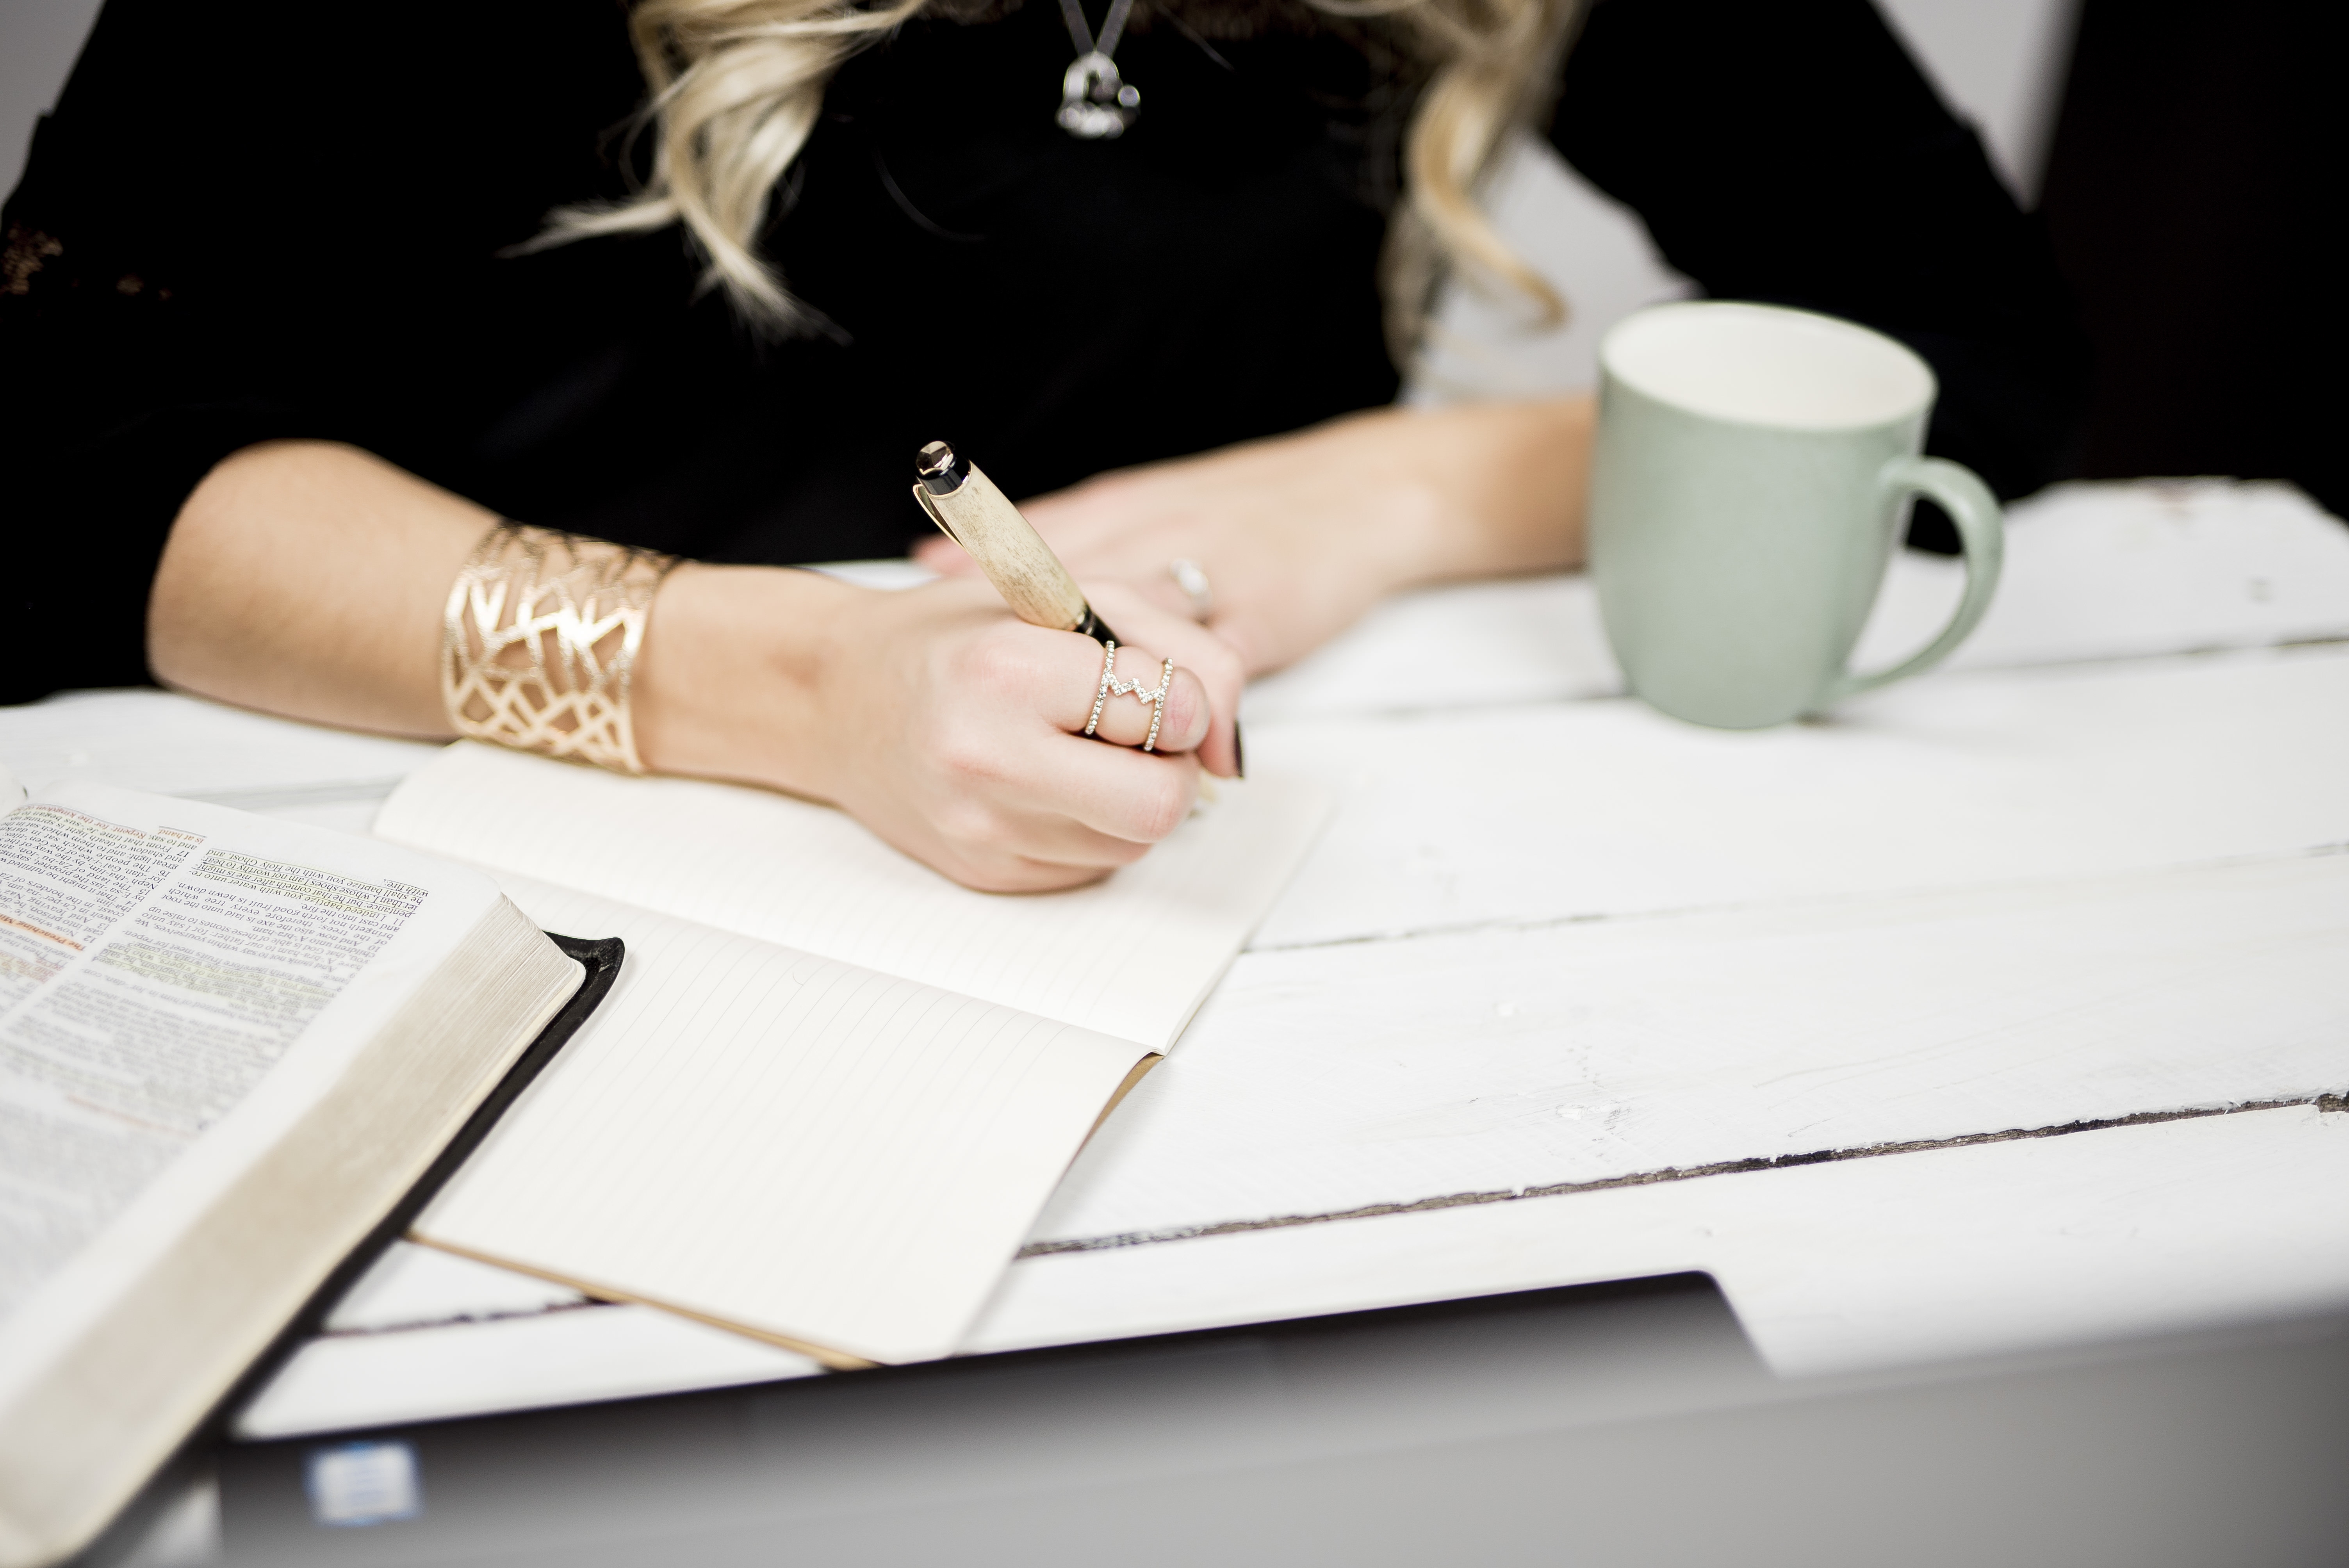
<point x="278" y="220"/>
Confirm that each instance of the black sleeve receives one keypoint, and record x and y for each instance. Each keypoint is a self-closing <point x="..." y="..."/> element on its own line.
<point x="1793" y="153"/>
<point x="122" y="398"/>
<point x="250" y="222"/>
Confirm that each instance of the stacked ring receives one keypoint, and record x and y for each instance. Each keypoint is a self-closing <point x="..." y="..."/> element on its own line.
<point x="1112" y="687"/>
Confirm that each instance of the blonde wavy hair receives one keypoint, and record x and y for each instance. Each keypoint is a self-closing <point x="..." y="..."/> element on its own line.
<point x="737" y="86"/>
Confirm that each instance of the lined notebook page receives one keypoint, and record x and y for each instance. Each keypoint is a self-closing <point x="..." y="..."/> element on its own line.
<point x="780" y="1142"/>
<point x="1132" y="956"/>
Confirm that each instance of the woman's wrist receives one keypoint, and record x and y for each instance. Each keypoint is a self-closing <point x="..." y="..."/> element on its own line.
<point x="1406" y="542"/>
<point x="1513" y="477"/>
<point x="728" y="683"/>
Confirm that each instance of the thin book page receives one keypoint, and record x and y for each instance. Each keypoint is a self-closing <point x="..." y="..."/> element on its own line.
<point x="1132" y="956"/>
<point x="835" y="1159"/>
<point x="161" y="962"/>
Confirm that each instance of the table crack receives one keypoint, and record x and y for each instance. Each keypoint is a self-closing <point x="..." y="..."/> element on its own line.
<point x="2326" y="1102"/>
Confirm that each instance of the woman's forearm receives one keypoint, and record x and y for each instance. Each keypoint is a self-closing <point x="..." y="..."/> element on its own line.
<point x="1513" y="479"/>
<point x="307" y="579"/>
<point x="310" y="579"/>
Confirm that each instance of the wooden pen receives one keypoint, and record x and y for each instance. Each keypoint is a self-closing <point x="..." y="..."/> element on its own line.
<point x="969" y="509"/>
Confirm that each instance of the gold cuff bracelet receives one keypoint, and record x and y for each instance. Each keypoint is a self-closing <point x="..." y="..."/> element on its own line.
<point x="542" y="632"/>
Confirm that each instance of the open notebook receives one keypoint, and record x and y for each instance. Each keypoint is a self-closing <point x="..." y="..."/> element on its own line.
<point x="831" y="1088"/>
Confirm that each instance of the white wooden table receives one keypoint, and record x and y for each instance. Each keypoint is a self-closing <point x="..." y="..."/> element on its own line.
<point x="2008" y="1008"/>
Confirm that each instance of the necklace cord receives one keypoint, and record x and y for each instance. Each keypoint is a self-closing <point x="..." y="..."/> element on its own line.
<point x="1081" y="33"/>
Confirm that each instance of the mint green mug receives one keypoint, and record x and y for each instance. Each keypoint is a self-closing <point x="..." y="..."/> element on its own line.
<point x="1754" y="470"/>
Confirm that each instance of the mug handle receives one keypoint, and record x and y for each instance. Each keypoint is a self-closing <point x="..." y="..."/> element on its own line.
<point x="1976" y="510"/>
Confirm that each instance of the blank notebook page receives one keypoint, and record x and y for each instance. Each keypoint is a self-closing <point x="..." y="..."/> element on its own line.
<point x="1132" y="956"/>
<point x="778" y="1141"/>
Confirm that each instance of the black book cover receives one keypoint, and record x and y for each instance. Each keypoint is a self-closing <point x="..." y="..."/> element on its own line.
<point x="602" y="961"/>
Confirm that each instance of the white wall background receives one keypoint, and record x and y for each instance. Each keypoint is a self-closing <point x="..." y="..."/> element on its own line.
<point x="38" y="40"/>
<point x="1999" y="62"/>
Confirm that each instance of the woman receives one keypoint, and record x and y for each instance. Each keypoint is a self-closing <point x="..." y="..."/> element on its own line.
<point x="290" y="327"/>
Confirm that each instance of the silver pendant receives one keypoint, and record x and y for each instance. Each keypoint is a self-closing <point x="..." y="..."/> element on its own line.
<point x="1095" y="102"/>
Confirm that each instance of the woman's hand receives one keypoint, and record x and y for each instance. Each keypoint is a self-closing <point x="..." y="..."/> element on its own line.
<point x="1299" y="534"/>
<point x="933" y="717"/>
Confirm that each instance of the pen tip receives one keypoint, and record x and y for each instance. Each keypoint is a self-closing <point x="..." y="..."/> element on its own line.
<point x="939" y="469"/>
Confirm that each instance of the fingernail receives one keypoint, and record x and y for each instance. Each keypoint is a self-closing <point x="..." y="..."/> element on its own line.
<point x="1239" y="753"/>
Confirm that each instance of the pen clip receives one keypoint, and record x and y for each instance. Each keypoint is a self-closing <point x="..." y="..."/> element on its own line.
<point x="931" y="506"/>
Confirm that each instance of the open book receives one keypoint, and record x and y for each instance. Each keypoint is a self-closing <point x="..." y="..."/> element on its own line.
<point x="832" y="1090"/>
<point x="230" y="1049"/>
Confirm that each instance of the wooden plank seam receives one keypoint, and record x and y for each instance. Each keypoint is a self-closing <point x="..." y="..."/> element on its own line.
<point x="2335" y="1102"/>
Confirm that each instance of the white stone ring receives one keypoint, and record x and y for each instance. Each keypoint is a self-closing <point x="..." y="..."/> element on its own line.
<point x="1192" y="578"/>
